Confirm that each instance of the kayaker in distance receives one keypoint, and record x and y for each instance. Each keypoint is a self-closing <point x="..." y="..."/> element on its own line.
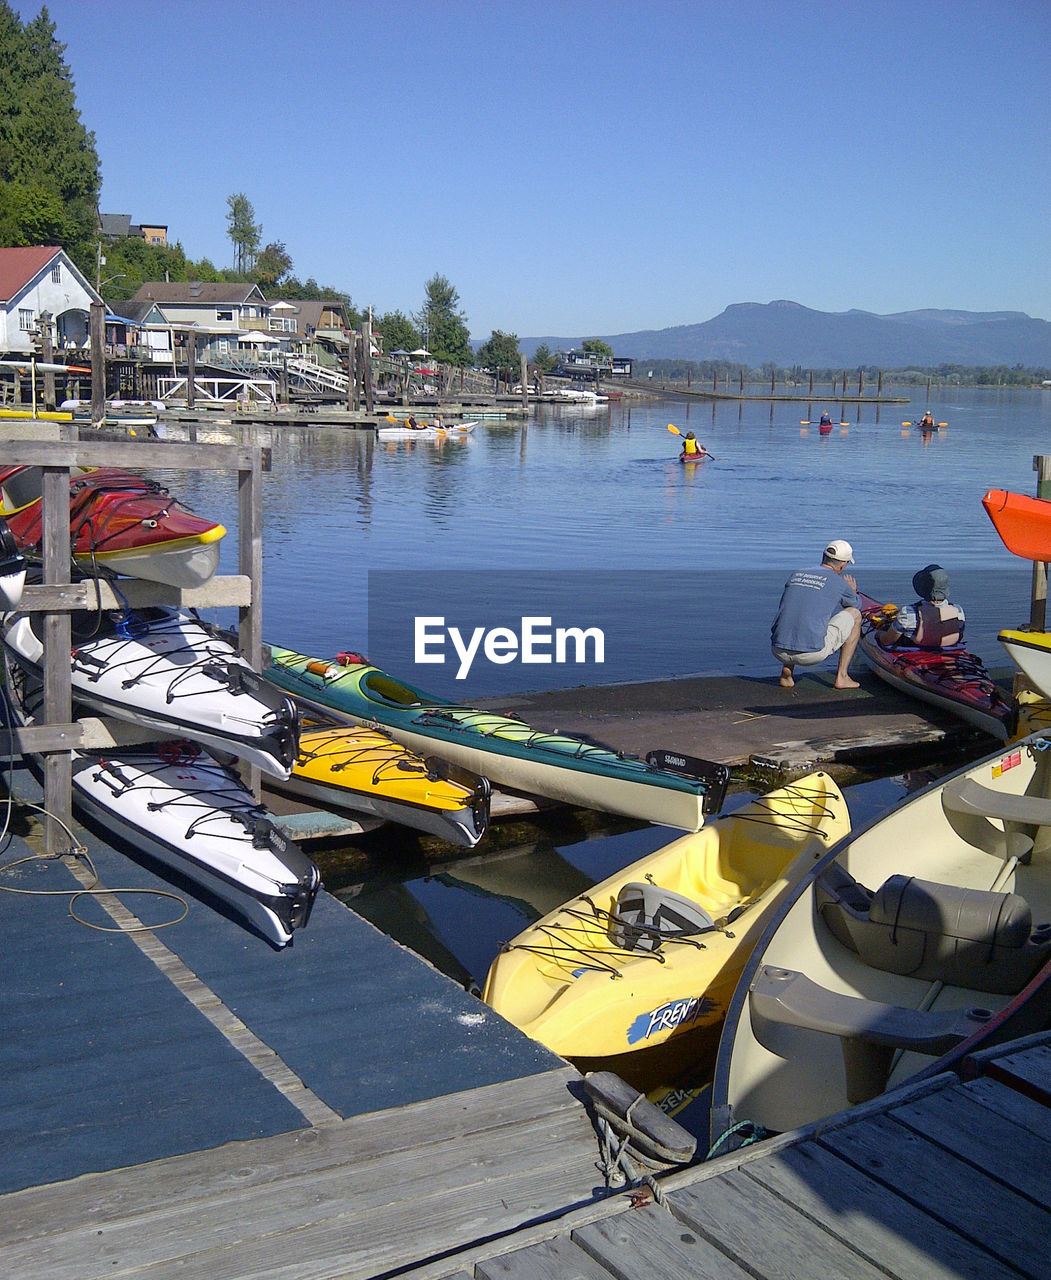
<point x="826" y="420"/>
<point x="692" y="447"/>
<point x="932" y="622"/>
<point x="411" y="422"/>
<point x="927" y="422"/>
<point x="819" y="614"/>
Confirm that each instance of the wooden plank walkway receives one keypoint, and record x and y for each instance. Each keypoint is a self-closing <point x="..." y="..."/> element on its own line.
<point x="188" y="1100"/>
<point x="939" y="1180"/>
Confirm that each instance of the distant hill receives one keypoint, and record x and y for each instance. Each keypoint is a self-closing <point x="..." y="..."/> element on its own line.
<point x="753" y="333"/>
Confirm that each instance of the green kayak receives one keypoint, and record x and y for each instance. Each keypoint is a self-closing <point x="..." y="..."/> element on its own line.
<point x="508" y="751"/>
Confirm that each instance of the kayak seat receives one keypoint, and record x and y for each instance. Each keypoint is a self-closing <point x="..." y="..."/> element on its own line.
<point x="972" y="938"/>
<point x="22" y="488"/>
<point x="645" y="916"/>
<point x="871" y="1032"/>
<point x="391" y="691"/>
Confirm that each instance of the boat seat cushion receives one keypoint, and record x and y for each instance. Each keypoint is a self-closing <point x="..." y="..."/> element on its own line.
<point x="972" y="938"/>
<point x="645" y="916"/>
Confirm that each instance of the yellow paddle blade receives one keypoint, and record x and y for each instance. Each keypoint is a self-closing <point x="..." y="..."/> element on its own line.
<point x="906" y="424"/>
<point x="804" y="422"/>
<point x="673" y="427"/>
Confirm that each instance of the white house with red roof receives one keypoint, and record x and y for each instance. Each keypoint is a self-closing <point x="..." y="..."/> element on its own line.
<point x="38" y="279"/>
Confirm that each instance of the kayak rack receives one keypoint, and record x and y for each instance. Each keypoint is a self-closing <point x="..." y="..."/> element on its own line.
<point x="57" y="735"/>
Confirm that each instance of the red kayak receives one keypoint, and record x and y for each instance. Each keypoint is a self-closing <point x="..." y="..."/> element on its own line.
<point x="119" y="521"/>
<point x="1024" y="524"/>
<point x="692" y="457"/>
<point x="953" y="678"/>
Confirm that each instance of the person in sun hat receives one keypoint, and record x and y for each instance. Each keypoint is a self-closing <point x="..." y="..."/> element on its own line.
<point x="932" y="622"/>
<point x="819" y="614"/>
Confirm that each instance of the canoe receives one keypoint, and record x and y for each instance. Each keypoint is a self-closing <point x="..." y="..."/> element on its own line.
<point x="1031" y="653"/>
<point x="953" y="679"/>
<point x="176" y="804"/>
<point x="507" y="751"/>
<point x="450" y="431"/>
<point x="364" y="771"/>
<point x="118" y="521"/>
<point x="635" y="975"/>
<point x="164" y="669"/>
<point x="1023" y="523"/>
<point x="917" y="935"/>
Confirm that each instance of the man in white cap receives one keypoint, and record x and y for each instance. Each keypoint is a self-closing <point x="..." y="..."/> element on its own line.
<point x="819" y="614"/>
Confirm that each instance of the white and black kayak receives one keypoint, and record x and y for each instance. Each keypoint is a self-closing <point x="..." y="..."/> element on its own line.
<point x="166" y="670"/>
<point x="178" y="805"/>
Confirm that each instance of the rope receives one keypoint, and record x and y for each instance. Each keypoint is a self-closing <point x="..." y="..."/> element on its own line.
<point x="754" y="1133"/>
<point x="616" y="1165"/>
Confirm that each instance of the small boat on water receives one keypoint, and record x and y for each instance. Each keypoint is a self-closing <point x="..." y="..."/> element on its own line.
<point x="507" y="751"/>
<point x="117" y="521"/>
<point x="954" y="678"/>
<point x="166" y="670"/>
<point x="635" y="975"/>
<point x="178" y="805"/>
<point x="348" y="768"/>
<point x="923" y="933"/>
<point x="426" y="431"/>
<point x="1023" y="523"/>
<point x="1031" y="653"/>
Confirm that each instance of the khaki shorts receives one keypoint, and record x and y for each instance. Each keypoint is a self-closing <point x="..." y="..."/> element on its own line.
<point x="839" y="628"/>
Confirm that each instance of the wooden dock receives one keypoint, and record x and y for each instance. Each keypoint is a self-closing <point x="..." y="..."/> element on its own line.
<point x="940" y="1180"/>
<point x="765" y="732"/>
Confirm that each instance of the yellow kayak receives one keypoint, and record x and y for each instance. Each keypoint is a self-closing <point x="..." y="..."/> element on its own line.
<point x="635" y="975"/>
<point x="364" y="771"/>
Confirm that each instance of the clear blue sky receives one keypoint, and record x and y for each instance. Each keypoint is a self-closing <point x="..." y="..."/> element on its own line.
<point x="579" y="168"/>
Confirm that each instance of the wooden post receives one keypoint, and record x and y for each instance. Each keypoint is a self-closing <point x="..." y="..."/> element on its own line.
<point x="366" y="364"/>
<point x="97" y="329"/>
<point x="58" y="683"/>
<point x="47" y="355"/>
<point x="352" y="372"/>
<point x="811" y="382"/>
<point x="1038" y="604"/>
<point x="250" y="556"/>
<point x="879" y="386"/>
<point x="861" y="381"/>
<point x="742" y="381"/>
<point x="524" y="372"/>
<point x="191" y="368"/>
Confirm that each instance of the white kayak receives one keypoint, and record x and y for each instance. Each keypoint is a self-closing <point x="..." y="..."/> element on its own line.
<point x="166" y="670"/>
<point x="178" y="805"/>
<point x="426" y="431"/>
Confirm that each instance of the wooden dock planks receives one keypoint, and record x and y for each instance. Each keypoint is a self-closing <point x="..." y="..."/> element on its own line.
<point x="937" y="1181"/>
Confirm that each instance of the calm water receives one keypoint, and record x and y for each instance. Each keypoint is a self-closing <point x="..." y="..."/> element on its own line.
<point x="590" y="511"/>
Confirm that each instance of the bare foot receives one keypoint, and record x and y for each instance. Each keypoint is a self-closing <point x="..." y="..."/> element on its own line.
<point x="786" y="678"/>
<point x="845" y="682"/>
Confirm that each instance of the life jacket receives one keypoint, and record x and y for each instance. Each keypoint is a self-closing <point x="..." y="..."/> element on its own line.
<point x="690" y="446"/>
<point x="938" y="626"/>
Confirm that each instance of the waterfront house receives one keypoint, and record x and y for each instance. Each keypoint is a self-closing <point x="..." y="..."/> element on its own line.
<point x="42" y="280"/>
<point x="115" y="226"/>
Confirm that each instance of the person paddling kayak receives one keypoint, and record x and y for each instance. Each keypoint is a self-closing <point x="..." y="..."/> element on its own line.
<point x="692" y="447"/>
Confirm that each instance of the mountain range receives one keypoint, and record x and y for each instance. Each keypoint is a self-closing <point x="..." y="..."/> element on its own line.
<point x="789" y="334"/>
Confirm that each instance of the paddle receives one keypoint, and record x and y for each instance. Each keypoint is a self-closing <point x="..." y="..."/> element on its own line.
<point x="675" y="430"/>
<point x="806" y="422"/>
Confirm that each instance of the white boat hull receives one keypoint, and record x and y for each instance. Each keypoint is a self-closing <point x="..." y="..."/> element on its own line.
<point x="951" y="855"/>
<point x="1031" y="653"/>
<point x="178" y="677"/>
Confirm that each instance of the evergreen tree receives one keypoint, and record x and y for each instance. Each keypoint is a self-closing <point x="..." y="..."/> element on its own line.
<point x="46" y="154"/>
<point x="399" y="333"/>
<point x="443" y="325"/>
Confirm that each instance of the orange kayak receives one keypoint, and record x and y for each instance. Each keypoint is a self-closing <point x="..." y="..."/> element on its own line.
<point x="1023" y="523"/>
